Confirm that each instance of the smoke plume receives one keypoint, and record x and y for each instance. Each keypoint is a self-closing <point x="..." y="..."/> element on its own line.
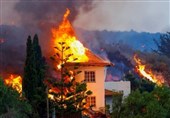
<point x="36" y="17"/>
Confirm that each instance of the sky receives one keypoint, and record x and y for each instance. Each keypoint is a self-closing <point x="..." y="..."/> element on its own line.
<point x="111" y="15"/>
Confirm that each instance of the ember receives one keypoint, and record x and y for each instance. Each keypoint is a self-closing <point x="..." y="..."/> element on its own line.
<point x="141" y="68"/>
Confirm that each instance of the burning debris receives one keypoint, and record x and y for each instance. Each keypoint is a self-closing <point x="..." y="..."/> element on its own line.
<point x="148" y="74"/>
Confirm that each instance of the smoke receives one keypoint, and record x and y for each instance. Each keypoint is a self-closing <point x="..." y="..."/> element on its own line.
<point x="12" y="50"/>
<point x="35" y="17"/>
<point x="37" y="12"/>
<point x="39" y="16"/>
<point x="114" y="50"/>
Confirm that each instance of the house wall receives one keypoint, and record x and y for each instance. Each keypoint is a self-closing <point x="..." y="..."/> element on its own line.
<point x="117" y="86"/>
<point x="98" y="86"/>
<point x="108" y="100"/>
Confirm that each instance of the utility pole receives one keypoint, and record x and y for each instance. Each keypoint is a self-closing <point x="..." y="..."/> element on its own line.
<point x="47" y="103"/>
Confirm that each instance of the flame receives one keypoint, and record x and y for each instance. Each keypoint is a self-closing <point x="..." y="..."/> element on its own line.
<point x="15" y="82"/>
<point x="141" y="68"/>
<point x="56" y="90"/>
<point x="65" y="33"/>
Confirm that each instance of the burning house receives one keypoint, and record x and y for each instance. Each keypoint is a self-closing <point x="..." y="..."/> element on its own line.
<point x="92" y="67"/>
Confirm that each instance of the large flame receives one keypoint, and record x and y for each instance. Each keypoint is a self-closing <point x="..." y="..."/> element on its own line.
<point x="15" y="82"/>
<point x="141" y="68"/>
<point x="65" y="33"/>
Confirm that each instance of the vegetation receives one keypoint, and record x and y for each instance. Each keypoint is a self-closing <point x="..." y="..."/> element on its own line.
<point x="34" y="75"/>
<point x="11" y="104"/>
<point x="117" y="104"/>
<point x="139" y="83"/>
<point x="68" y="95"/>
<point x="164" y="44"/>
<point x="147" y="105"/>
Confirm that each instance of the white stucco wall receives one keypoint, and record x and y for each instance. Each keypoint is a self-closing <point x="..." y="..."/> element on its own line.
<point x="98" y="86"/>
<point x="117" y="86"/>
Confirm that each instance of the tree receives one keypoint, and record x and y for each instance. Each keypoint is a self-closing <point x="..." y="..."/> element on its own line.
<point x="117" y="104"/>
<point x="34" y="75"/>
<point x="11" y="104"/>
<point x="139" y="83"/>
<point x="153" y="104"/>
<point x="133" y="80"/>
<point x="164" y="44"/>
<point x="68" y="95"/>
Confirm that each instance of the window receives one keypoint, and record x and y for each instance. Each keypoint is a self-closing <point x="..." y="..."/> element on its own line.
<point x="91" y="101"/>
<point x="89" y="76"/>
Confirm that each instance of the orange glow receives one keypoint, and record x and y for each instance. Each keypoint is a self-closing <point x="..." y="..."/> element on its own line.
<point x="15" y="82"/>
<point x="141" y="68"/>
<point x="1" y="40"/>
<point x="65" y="33"/>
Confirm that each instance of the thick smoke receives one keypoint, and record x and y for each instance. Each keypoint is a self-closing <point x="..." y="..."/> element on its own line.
<point x="113" y="50"/>
<point x="12" y="50"/>
<point x="39" y="16"/>
<point x="38" y="12"/>
<point x="36" y="17"/>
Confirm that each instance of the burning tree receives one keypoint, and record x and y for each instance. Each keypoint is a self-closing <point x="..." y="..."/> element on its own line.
<point x="34" y="75"/>
<point x="67" y="95"/>
<point x="148" y="73"/>
<point x="15" y="82"/>
<point x="11" y="103"/>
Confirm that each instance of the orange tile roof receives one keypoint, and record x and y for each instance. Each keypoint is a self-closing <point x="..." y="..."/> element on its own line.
<point x="108" y="92"/>
<point x="94" y="60"/>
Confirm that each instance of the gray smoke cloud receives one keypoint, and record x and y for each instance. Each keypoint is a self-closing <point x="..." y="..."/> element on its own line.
<point x="38" y="12"/>
<point x="39" y="16"/>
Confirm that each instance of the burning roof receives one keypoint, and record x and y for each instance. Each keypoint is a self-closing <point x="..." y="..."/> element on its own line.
<point x="64" y="38"/>
<point x="93" y="60"/>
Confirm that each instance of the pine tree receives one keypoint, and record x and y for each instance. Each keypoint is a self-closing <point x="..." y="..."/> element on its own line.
<point x="27" y="82"/>
<point x="68" y="95"/>
<point x="34" y="75"/>
<point x="164" y="44"/>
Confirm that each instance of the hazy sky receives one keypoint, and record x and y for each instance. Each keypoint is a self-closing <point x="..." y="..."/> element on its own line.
<point x="139" y="15"/>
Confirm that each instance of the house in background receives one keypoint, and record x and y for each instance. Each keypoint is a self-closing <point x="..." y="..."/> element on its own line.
<point x="93" y="73"/>
<point x="117" y="86"/>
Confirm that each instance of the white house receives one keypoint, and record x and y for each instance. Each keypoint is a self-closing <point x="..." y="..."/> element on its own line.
<point x="93" y="73"/>
<point x="117" y="86"/>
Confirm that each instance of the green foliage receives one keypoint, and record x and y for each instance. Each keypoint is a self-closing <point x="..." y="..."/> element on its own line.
<point x="117" y="104"/>
<point x="11" y="104"/>
<point x="69" y="95"/>
<point x="133" y="80"/>
<point x="34" y="75"/>
<point x="147" y="105"/>
<point x="139" y="83"/>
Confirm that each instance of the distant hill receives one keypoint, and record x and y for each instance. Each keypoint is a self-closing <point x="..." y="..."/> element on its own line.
<point x="116" y="46"/>
<point x="137" y="40"/>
